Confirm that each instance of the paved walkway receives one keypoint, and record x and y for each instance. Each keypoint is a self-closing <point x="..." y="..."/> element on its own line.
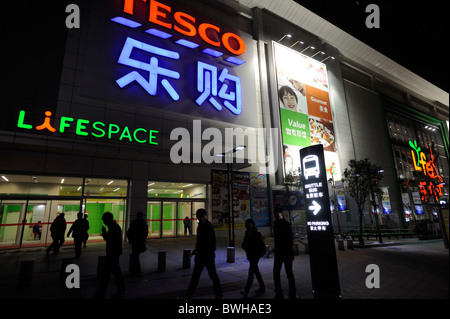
<point x="409" y="269"/>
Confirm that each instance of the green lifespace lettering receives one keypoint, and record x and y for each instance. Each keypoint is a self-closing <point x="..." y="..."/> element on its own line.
<point x="64" y="123"/>
<point x="80" y="127"/>
<point x="135" y="137"/>
<point x="126" y="133"/>
<point x="151" y="137"/>
<point x="110" y="132"/>
<point x="20" y="122"/>
<point x="98" y="129"/>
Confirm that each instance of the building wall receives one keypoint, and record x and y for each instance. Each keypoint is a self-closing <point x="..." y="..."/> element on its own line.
<point x="370" y="140"/>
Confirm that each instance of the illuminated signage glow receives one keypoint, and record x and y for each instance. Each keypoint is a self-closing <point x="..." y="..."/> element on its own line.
<point x="185" y="24"/>
<point x="218" y="87"/>
<point x="96" y="129"/>
<point x="426" y="188"/>
<point x="154" y="70"/>
<point x="322" y="252"/>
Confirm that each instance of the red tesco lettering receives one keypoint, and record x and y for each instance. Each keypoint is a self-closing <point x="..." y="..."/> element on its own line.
<point x="185" y="24"/>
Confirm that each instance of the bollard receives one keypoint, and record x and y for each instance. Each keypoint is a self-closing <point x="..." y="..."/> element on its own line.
<point x="349" y="240"/>
<point x="267" y="254"/>
<point x="186" y="258"/>
<point x="132" y="265"/>
<point x="230" y="254"/>
<point x="100" y="266"/>
<point x="62" y="271"/>
<point x="341" y="244"/>
<point x="161" y="260"/>
<point x="295" y="247"/>
<point x="25" y="273"/>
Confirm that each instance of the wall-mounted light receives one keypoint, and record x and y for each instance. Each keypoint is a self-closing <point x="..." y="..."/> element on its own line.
<point x="308" y="47"/>
<point x="297" y="42"/>
<point x="328" y="57"/>
<point x="321" y="52"/>
<point x="284" y="36"/>
<point x="5" y="178"/>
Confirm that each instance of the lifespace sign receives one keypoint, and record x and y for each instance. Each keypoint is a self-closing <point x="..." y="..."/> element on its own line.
<point x="168" y="57"/>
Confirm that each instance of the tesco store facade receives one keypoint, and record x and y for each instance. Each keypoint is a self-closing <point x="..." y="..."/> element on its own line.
<point x="147" y="106"/>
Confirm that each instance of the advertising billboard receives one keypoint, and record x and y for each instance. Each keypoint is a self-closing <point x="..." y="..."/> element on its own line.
<point x="304" y="107"/>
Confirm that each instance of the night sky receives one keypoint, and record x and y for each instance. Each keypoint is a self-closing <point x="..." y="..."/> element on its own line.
<point x="413" y="35"/>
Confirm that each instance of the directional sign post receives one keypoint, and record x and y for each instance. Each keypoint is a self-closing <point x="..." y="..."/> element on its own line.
<point x="322" y="250"/>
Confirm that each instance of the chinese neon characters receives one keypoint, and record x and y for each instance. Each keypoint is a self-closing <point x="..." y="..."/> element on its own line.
<point x="431" y="188"/>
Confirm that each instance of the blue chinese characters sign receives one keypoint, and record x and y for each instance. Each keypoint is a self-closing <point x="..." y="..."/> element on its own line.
<point x="156" y="55"/>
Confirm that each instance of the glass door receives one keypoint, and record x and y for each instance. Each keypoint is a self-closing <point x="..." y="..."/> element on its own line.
<point x="184" y="218"/>
<point x="36" y="216"/>
<point x="94" y="209"/>
<point x="154" y="219"/>
<point x="11" y="216"/>
<point x="169" y="219"/>
<point x="195" y="206"/>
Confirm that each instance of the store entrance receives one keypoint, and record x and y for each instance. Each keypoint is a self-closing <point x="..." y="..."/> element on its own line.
<point x="166" y="218"/>
<point x="26" y="222"/>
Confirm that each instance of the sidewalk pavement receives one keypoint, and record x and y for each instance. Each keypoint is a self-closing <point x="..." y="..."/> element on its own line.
<point x="409" y="268"/>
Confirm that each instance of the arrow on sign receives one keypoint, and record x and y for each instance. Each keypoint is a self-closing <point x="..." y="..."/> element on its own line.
<point x="315" y="207"/>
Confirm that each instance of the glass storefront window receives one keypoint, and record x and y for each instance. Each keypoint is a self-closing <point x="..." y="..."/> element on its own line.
<point x="30" y="203"/>
<point x="40" y="185"/>
<point x="176" y="190"/>
<point x="420" y="159"/>
<point x="105" y="187"/>
<point x="165" y="217"/>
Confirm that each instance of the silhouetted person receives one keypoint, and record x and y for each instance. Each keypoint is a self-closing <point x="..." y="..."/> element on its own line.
<point x="137" y="235"/>
<point x="37" y="230"/>
<point x="79" y="231"/>
<point x="187" y="226"/>
<point x="113" y="238"/>
<point x="204" y="256"/>
<point x="87" y="235"/>
<point x="254" y="247"/>
<point x="57" y="231"/>
<point x="284" y="254"/>
<point x="421" y="229"/>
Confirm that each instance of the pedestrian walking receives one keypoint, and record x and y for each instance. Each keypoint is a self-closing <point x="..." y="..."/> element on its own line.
<point x="137" y="235"/>
<point x="187" y="226"/>
<point x="204" y="253"/>
<point x="57" y="232"/>
<point x="79" y="231"/>
<point x="113" y="237"/>
<point x="255" y="248"/>
<point x="284" y="254"/>
<point x="87" y="235"/>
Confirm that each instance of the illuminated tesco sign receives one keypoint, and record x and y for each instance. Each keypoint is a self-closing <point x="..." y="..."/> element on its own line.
<point x="186" y="25"/>
<point x="215" y="86"/>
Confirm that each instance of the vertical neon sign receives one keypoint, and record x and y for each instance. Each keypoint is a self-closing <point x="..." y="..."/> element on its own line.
<point x="428" y="168"/>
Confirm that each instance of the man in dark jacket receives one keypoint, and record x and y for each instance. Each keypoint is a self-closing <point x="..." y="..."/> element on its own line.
<point x="204" y="256"/>
<point x="79" y="231"/>
<point x="284" y="254"/>
<point x="137" y="235"/>
<point x="254" y="247"/>
<point x="57" y="230"/>
<point x="113" y="238"/>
